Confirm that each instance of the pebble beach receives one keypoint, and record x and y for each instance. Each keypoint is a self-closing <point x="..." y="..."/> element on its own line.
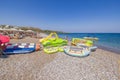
<point x="99" y="65"/>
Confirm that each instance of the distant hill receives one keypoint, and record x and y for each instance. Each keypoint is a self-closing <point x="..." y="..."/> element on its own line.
<point x="31" y="28"/>
<point x="25" y="28"/>
<point x="49" y="31"/>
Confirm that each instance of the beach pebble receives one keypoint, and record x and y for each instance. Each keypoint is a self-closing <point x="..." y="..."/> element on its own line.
<point x="65" y="67"/>
<point x="99" y="65"/>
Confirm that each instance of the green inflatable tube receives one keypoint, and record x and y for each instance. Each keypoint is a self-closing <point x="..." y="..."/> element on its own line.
<point x="53" y="41"/>
<point x="51" y="50"/>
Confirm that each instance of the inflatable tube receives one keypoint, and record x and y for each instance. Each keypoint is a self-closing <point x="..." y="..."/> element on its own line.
<point x="91" y="38"/>
<point x="48" y="37"/>
<point x="20" y="48"/>
<point x="50" y="41"/>
<point x="55" y="43"/>
<point x="76" y="51"/>
<point x="61" y="49"/>
<point x="3" y="41"/>
<point x="91" y="48"/>
<point x="75" y="41"/>
<point x="50" y="50"/>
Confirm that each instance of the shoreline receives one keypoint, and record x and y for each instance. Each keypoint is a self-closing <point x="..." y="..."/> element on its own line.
<point x="108" y="49"/>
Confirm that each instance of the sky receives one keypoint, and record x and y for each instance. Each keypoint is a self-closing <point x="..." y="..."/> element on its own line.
<point x="80" y="16"/>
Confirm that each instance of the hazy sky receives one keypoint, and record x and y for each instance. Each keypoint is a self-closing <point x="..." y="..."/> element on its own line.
<point x="63" y="15"/>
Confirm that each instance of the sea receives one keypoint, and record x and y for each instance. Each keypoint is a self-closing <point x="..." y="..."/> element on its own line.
<point x="107" y="41"/>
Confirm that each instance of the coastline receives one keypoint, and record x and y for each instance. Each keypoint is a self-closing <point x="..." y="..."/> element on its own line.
<point x="109" y="49"/>
<point x="107" y="41"/>
<point x="100" y="65"/>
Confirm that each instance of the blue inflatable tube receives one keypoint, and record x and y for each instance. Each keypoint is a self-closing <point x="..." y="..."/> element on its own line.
<point x="19" y="48"/>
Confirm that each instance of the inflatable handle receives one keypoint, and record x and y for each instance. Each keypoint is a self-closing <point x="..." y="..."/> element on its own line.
<point x="50" y="36"/>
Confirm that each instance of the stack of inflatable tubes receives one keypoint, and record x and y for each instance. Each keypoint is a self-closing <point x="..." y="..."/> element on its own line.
<point x="53" y="41"/>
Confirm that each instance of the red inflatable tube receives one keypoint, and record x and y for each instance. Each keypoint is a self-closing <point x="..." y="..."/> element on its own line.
<point x="3" y="40"/>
